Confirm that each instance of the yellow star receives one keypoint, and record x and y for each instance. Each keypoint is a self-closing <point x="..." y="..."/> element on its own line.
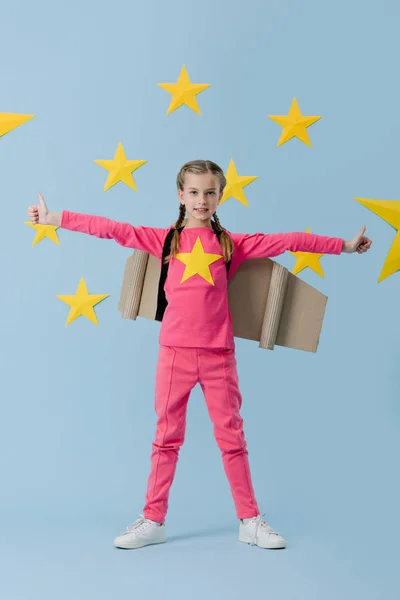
<point x="389" y="211"/>
<point x="294" y="124"/>
<point x="43" y="231"/>
<point x="120" y="169"/>
<point x="198" y="262"/>
<point x="235" y="184"/>
<point x="307" y="259"/>
<point x="184" y="92"/>
<point x="10" y="121"/>
<point x="82" y="303"/>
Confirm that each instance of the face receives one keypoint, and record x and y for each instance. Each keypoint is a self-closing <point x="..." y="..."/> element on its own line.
<point x="201" y="196"/>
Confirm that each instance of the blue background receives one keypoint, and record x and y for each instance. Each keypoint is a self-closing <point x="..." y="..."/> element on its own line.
<point x="77" y="417"/>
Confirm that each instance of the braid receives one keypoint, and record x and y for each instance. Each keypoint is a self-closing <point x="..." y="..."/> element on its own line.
<point x="218" y="222"/>
<point x="181" y="218"/>
<point x="226" y="240"/>
<point x="175" y="238"/>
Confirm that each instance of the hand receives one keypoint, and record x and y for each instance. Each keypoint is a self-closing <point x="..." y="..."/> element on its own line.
<point x="40" y="215"/>
<point x="360" y="243"/>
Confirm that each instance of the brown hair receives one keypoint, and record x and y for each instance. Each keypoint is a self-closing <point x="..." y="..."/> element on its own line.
<point x="199" y="167"/>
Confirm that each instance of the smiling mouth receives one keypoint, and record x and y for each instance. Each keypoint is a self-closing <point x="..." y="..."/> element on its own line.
<point x="201" y="209"/>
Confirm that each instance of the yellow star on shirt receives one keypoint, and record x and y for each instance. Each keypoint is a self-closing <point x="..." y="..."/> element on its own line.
<point x="82" y="303"/>
<point x="43" y="231"/>
<point x="235" y="184"/>
<point x="294" y="124"/>
<point x="307" y="259"/>
<point x="198" y="262"/>
<point x="10" y="121"/>
<point x="389" y="211"/>
<point x="184" y="92"/>
<point x="120" y="169"/>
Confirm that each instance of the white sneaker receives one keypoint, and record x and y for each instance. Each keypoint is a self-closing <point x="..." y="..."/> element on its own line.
<point x="257" y="532"/>
<point x="142" y="532"/>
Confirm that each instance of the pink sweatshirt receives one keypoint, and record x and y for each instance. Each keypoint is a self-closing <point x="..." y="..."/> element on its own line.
<point x="198" y="312"/>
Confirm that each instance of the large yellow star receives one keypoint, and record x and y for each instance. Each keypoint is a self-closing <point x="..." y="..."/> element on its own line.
<point x="294" y="124"/>
<point x="307" y="259"/>
<point x="235" y="184"/>
<point x="10" y="121"/>
<point x="389" y="211"/>
<point x="43" y="231"/>
<point x="82" y="303"/>
<point x="198" y="262"/>
<point x="184" y="92"/>
<point x="120" y="169"/>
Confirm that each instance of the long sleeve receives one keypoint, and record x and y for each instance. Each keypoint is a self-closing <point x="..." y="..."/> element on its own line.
<point x="149" y="239"/>
<point x="261" y="245"/>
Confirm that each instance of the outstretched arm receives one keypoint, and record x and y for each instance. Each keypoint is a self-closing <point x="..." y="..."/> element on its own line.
<point x="148" y="239"/>
<point x="260" y="245"/>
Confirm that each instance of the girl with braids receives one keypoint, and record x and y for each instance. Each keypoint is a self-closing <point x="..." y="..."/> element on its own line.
<point x="196" y="337"/>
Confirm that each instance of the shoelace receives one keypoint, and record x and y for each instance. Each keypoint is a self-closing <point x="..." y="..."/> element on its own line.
<point x="138" y="523"/>
<point x="261" y="523"/>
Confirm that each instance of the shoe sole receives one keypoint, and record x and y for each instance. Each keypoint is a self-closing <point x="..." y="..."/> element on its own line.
<point x="137" y="545"/>
<point x="277" y="546"/>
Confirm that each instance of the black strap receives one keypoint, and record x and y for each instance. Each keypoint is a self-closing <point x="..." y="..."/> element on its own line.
<point x="161" y="298"/>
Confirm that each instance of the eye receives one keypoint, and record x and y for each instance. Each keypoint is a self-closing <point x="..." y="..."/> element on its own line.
<point x="211" y="192"/>
<point x="192" y="192"/>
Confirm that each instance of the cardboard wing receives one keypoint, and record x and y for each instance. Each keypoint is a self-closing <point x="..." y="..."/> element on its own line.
<point x="268" y="304"/>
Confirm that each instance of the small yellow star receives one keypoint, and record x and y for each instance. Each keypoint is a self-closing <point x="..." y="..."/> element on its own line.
<point x="198" y="262"/>
<point x="120" y="169"/>
<point x="184" y="92"/>
<point x="10" y="121"/>
<point x="235" y="184"/>
<point x="43" y="231"/>
<point x="307" y="259"/>
<point x="389" y="211"/>
<point x="294" y="124"/>
<point x="82" y="303"/>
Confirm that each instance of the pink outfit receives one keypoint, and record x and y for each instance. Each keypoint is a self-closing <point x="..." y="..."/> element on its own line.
<point x="197" y="346"/>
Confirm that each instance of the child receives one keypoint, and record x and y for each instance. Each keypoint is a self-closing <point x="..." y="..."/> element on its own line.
<point x="196" y="337"/>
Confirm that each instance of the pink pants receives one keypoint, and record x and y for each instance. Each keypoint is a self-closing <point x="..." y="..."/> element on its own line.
<point x="178" y="371"/>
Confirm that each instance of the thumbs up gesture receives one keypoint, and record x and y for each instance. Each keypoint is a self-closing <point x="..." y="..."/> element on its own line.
<point x="360" y="243"/>
<point x="40" y="215"/>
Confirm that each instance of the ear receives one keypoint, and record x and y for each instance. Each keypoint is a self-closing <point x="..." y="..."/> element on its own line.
<point x="180" y="196"/>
